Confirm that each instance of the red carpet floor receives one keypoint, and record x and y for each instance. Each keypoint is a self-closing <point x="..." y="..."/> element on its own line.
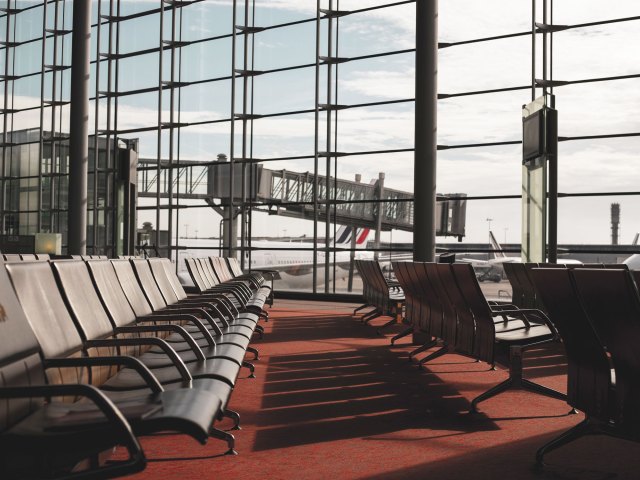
<point x="332" y="400"/>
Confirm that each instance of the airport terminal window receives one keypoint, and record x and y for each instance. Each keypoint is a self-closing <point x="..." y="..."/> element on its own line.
<point x="312" y="105"/>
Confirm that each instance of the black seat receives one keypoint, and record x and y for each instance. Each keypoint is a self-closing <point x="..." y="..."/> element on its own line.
<point x="538" y="329"/>
<point x="590" y="385"/>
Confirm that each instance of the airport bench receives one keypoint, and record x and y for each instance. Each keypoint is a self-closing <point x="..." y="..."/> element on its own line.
<point x="597" y="313"/>
<point x="177" y="361"/>
<point x="41" y="357"/>
<point x="384" y="295"/>
<point x="457" y="317"/>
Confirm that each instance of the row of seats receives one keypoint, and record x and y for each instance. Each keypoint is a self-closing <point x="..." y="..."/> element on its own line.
<point x="597" y="313"/>
<point x="524" y="294"/>
<point x="16" y="257"/>
<point x="383" y="294"/>
<point x="124" y="351"/>
<point x="445" y="305"/>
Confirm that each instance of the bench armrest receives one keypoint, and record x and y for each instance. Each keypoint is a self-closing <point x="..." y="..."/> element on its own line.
<point x="154" y="341"/>
<point x="130" y="362"/>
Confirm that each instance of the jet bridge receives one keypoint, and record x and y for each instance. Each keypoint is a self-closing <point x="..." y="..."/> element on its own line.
<point x="289" y="193"/>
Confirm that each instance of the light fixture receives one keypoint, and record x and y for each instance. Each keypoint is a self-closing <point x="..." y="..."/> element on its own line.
<point x="50" y="243"/>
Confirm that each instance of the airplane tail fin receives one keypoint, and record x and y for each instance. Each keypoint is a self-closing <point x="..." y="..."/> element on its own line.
<point x="635" y="239"/>
<point x="496" y="246"/>
<point x="344" y="234"/>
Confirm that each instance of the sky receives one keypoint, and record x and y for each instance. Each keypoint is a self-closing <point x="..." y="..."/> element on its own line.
<point x="584" y="109"/>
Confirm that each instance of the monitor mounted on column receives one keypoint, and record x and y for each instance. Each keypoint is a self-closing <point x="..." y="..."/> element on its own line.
<point x="539" y="133"/>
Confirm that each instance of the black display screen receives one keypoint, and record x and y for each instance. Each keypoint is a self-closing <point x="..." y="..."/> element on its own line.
<point x="533" y="136"/>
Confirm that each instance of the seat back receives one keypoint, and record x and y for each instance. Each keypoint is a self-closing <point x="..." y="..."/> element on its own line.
<point x="83" y="300"/>
<point x="528" y="290"/>
<point x="589" y="378"/>
<point x="415" y="272"/>
<point x="431" y="298"/>
<point x="28" y="257"/>
<point x="413" y="306"/>
<point x="465" y="323"/>
<point x="484" y="340"/>
<point x="20" y="363"/>
<point x="610" y="300"/>
<point x="162" y="281"/>
<point x="110" y="291"/>
<point x="516" y="288"/>
<point x="172" y="277"/>
<point x="234" y="266"/>
<point x="449" y="322"/>
<point x="43" y="256"/>
<point x="88" y="312"/>
<point x="131" y="288"/>
<point x="12" y="257"/>
<point x="195" y="274"/>
<point x="148" y="283"/>
<point x="44" y="307"/>
<point x="221" y="269"/>
<point x="207" y="272"/>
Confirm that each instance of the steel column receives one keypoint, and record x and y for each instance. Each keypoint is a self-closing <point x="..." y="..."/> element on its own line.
<point x="79" y="123"/>
<point x="424" y="229"/>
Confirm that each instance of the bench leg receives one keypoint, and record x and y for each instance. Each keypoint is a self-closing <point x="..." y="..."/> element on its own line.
<point x="235" y="416"/>
<point x="393" y="321"/>
<point x="225" y="436"/>
<point x="443" y="350"/>
<point x="251" y="368"/>
<point x="370" y="316"/>
<point x="492" y="392"/>
<point x="423" y="348"/>
<point x="583" y="428"/>
<point x="255" y="352"/>
<point x="361" y="307"/>
<point x="515" y="380"/>
<point x="404" y="333"/>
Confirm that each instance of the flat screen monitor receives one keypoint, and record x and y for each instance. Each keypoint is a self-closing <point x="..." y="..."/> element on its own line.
<point x="533" y="136"/>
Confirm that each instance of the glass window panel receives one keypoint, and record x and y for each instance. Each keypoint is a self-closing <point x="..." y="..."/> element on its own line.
<point x="206" y="60"/>
<point x="205" y="101"/>
<point x="464" y="20"/>
<point x="597" y="108"/>
<point x="285" y="136"/>
<point x="268" y="13"/>
<point x="505" y="63"/>
<point x="493" y="117"/>
<point x="131" y="39"/>
<point x="601" y="51"/>
<point x="573" y="229"/>
<point x="138" y="72"/>
<point x="28" y="24"/>
<point x="481" y="171"/>
<point x="611" y="161"/>
<point x="206" y="20"/>
<point x="26" y="92"/>
<point x="375" y="80"/>
<point x="284" y="91"/>
<point x="27" y="58"/>
<point x="592" y="10"/>
<point x="275" y="48"/>
<point x="377" y="31"/>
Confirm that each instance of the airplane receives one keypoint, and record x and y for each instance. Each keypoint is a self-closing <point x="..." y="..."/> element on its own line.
<point x="490" y="269"/>
<point x="295" y="267"/>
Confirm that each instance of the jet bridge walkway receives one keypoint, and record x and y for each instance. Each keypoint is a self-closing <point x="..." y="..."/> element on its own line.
<point x="289" y="193"/>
